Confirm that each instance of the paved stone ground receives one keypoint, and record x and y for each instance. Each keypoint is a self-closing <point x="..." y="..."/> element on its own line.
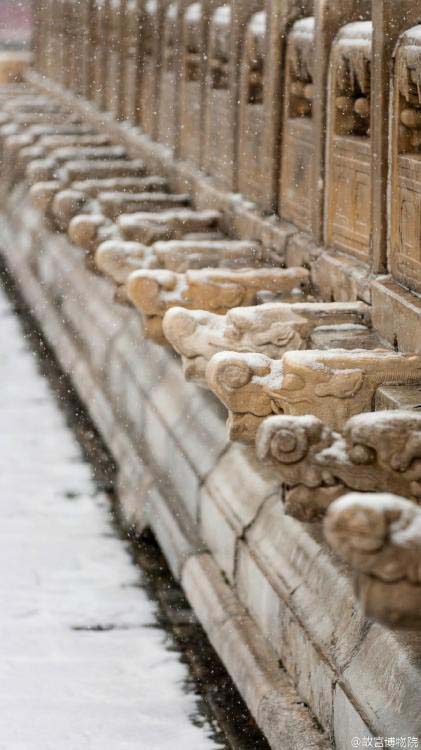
<point x="83" y="662"/>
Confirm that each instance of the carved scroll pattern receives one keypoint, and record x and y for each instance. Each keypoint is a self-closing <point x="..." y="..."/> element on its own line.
<point x="332" y="385"/>
<point x="378" y="451"/>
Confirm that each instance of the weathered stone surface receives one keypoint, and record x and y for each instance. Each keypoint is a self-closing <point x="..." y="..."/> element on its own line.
<point x="231" y="631"/>
<point x="332" y="385"/>
<point x="99" y="169"/>
<point x="377" y="451"/>
<point x="298" y="144"/>
<point x="270" y="329"/>
<point x="115" y="203"/>
<point x="155" y="292"/>
<point x="396" y="314"/>
<point x="87" y="231"/>
<point x="380" y="536"/>
<point x="240" y="116"/>
<point x="118" y="259"/>
<point x="167" y="225"/>
<point x="348" y="207"/>
<point x="228" y="507"/>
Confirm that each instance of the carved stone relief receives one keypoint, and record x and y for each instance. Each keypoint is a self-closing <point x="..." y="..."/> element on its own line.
<point x="377" y="451"/>
<point x="104" y="196"/>
<point x="298" y="136"/>
<point x="379" y="535"/>
<point x="87" y="231"/>
<point x="406" y="170"/>
<point x="118" y="260"/>
<point x="175" y="255"/>
<point x="348" y="200"/>
<point x="114" y="204"/>
<point x="192" y="89"/>
<point x="219" y="137"/>
<point x="251" y="177"/>
<point x="49" y="167"/>
<point x="332" y="385"/>
<point x="270" y="329"/>
<point x="174" y="224"/>
<point x="217" y="290"/>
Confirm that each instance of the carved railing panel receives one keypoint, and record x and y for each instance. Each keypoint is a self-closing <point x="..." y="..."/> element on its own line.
<point x="406" y="170"/>
<point x="219" y="143"/>
<point x="100" y="26"/>
<point x="131" y="75"/>
<point x="194" y="35"/>
<point x="91" y="196"/>
<point x="298" y="133"/>
<point x="251" y="166"/>
<point x="153" y="12"/>
<point x="348" y="209"/>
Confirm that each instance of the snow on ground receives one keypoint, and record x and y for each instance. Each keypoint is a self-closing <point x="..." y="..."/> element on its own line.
<point x="63" y="685"/>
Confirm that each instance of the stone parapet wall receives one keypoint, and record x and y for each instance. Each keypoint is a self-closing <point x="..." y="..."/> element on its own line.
<point x="295" y="303"/>
<point x="216" y="513"/>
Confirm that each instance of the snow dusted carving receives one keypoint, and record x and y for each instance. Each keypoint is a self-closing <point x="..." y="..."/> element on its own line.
<point x="16" y="124"/>
<point x="94" y="169"/>
<point x="216" y="290"/>
<point x="20" y="150"/>
<point x="50" y="167"/>
<point x="183" y="255"/>
<point x="76" y="199"/>
<point x="97" y="223"/>
<point x="332" y="385"/>
<point x="379" y="535"/>
<point x="127" y="185"/>
<point x="352" y="57"/>
<point x="167" y="225"/>
<point x="42" y="195"/>
<point x="298" y="137"/>
<point x="87" y="231"/>
<point x="118" y="259"/>
<point x="378" y="451"/>
<point x="66" y="204"/>
<point x="62" y="203"/>
<point x="270" y="329"/>
<point x="45" y="145"/>
<point x="117" y="203"/>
